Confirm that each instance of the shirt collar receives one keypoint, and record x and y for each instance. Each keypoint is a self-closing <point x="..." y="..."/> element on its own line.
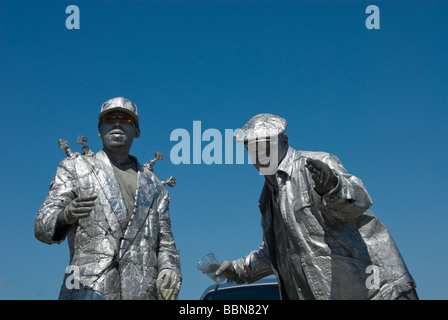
<point x="287" y="162"/>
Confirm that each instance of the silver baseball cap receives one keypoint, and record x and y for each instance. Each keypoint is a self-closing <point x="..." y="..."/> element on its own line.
<point x="119" y="104"/>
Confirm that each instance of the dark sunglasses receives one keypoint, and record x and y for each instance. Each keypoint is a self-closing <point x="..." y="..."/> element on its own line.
<point x="122" y="118"/>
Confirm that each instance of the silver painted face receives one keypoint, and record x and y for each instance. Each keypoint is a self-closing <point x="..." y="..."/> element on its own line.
<point x="260" y="153"/>
<point x="117" y="134"/>
<point x="266" y="155"/>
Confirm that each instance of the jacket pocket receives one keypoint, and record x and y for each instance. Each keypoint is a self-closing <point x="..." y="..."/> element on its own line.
<point x="306" y="217"/>
<point x="352" y="271"/>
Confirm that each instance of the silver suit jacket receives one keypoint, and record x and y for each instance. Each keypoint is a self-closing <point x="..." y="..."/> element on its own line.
<point x="339" y="241"/>
<point x="111" y="257"/>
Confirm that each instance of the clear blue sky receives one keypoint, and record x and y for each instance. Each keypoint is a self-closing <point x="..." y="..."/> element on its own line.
<point x="378" y="99"/>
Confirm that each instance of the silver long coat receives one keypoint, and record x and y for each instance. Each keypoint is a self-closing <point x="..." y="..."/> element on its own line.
<point x="338" y="239"/>
<point x="113" y="258"/>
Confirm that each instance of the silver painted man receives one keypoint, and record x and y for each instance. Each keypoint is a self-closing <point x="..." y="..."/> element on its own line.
<point x="319" y="237"/>
<point x="114" y="213"/>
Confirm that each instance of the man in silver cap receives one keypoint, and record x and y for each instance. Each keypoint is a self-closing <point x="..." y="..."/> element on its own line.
<point x="319" y="237"/>
<point x="114" y="213"/>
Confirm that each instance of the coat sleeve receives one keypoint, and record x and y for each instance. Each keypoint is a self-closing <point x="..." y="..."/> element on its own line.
<point x="254" y="266"/>
<point x="62" y="192"/>
<point x="349" y="198"/>
<point x="168" y="257"/>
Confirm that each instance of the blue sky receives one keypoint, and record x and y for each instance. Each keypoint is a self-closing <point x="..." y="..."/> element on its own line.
<point x="378" y="99"/>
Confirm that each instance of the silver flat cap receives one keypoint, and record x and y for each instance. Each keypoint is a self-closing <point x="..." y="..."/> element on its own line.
<point x="262" y="127"/>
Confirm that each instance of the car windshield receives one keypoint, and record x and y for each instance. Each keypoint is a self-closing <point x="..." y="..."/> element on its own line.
<point x="259" y="292"/>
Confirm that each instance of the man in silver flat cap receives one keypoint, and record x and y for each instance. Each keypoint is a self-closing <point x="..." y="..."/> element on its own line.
<point x="114" y="213"/>
<point x="319" y="237"/>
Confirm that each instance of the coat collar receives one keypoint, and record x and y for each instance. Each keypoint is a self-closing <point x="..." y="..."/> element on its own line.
<point x="285" y="166"/>
<point x="301" y="187"/>
<point x="287" y="162"/>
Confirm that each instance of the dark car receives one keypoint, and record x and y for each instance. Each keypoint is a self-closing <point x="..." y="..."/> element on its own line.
<point x="264" y="289"/>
